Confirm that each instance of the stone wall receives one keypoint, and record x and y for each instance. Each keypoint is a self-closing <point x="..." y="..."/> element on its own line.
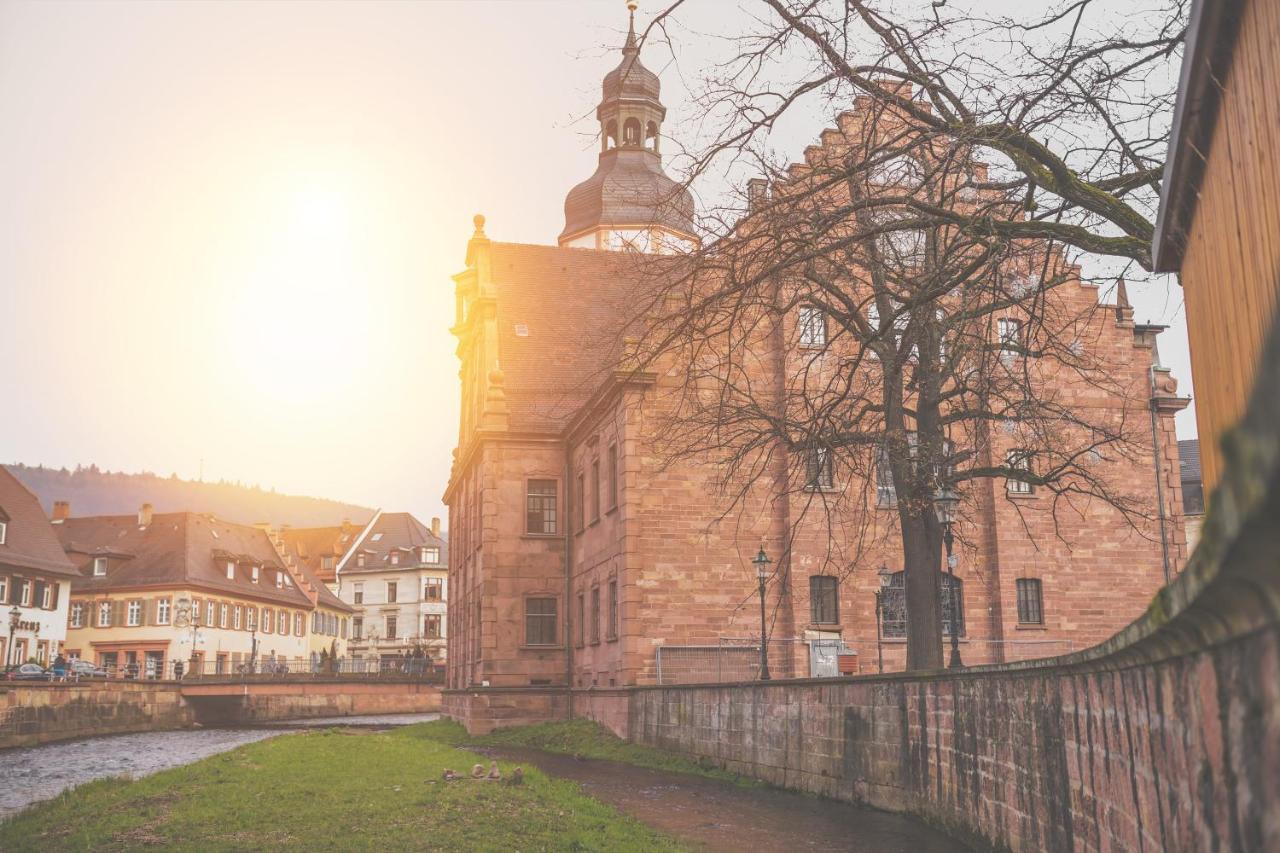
<point x="262" y="703"/>
<point x="1166" y="737"/>
<point x="38" y="713"/>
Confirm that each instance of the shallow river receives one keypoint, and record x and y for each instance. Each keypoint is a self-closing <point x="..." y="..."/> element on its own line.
<point x="31" y="774"/>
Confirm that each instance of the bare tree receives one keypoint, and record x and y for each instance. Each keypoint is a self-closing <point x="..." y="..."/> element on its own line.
<point x="900" y="313"/>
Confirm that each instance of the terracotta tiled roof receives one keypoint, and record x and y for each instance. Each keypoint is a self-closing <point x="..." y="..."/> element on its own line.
<point x="400" y="532"/>
<point x="309" y="546"/>
<point x="175" y="548"/>
<point x="560" y="313"/>
<point x="30" y="541"/>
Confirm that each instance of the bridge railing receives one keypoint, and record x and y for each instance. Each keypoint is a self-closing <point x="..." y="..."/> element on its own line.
<point x="268" y="669"/>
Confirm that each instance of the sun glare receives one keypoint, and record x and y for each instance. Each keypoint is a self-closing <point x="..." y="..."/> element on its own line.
<point x="301" y="311"/>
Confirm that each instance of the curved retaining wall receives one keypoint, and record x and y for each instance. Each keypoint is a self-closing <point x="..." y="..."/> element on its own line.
<point x="1167" y="737"/>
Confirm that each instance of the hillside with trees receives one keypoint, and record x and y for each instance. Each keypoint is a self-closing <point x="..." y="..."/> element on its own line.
<point x="95" y="492"/>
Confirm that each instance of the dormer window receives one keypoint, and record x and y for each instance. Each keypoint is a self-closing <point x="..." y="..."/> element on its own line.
<point x="4" y="531"/>
<point x="430" y="555"/>
<point x="288" y="581"/>
<point x="375" y="537"/>
<point x="279" y="579"/>
<point x="255" y="574"/>
<point x="231" y="570"/>
<point x="99" y="567"/>
<point x="360" y="560"/>
<point x="395" y="558"/>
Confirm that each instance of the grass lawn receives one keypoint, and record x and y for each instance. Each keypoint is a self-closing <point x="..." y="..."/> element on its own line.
<point x="577" y="737"/>
<point x="329" y="790"/>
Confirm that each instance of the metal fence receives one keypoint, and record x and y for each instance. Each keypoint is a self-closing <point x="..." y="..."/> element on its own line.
<point x="260" y="669"/>
<point x="729" y="659"/>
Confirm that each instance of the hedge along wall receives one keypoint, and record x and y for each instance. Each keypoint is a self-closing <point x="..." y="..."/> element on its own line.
<point x="1166" y="737"/>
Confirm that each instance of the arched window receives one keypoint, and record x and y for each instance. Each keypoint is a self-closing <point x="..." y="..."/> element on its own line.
<point x="893" y="606"/>
<point x="611" y="135"/>
<point x="651" y="135"/>
<point x="631" y="132"/>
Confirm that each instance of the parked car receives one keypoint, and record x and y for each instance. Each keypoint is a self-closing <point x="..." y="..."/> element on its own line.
<point x="85" y="669"/>
<point x="30" y="672"/>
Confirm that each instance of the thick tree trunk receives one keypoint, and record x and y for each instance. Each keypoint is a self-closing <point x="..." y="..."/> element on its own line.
<point x="923" y="588"/>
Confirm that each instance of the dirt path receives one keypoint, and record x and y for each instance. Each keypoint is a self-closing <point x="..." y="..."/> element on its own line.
<point x="719" y="816"/>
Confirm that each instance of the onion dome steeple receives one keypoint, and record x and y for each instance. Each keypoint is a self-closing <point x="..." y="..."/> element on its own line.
<point x="629" y="203"/>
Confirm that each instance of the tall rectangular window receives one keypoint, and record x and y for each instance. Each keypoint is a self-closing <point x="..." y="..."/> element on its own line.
<point x="4" y="590"/>
<point x="25" y="595"/>
<point x="231" y="570"/>
<point x="77" y="614"/>
<point x="99" y="567"/>
<point x="357" y="593"/>
<point x="391" y="592"/>
<point x="297" y="624"/>
<point x="163" y="608"/>
<point x="1018" y="460"/>
<point x="581" y="629"/>
<point x="433" y="589"/>
<point x="251" y="618"/>
<point x="886" y="493"/>
<point x="431" y="626"/>
<point x="209" y="609"/>
<point x="1030" y="603"/>
<point x="613" y="476"/>
<point x="391" y="628"/>
<point x="613" y="610"/>
<point x="223" y="612"/>
<point x="540" y="627"/>
<point x="813" y="326"/>
<point x="819" y="473"/>
<point x="595" y="490"/>
<point x="540" y="507"/>
<point x="582" y="502"/>
<point x="595" y="614"/>
<point x="824" y="600"/>
<point x="357" y="627"/>
<point x="236" y="616"/>
<point x="46" y="596"/>
<point x="1010" y="337"/>
<point x="133" y="614"/>
<point x="104" y="614"/>
<point x="282" y="623"/>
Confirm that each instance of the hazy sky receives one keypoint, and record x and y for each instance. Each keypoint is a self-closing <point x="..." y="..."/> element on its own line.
<point x="227" y="230"/>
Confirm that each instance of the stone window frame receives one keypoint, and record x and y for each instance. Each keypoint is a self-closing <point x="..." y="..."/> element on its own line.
<point x="75" y="618"/>
<point x="811" y="327"/>
<point x="614" y="476"/>
<point x="596" y="497"/>
<point x="1030" y="605"/>
<point x="816" y="582"/>
<point x="554" y="495"/>
<point x="133" y="613"/>
<point x="595" y="614"/>
<point x="613" y="625"/>
<point x="164" y="611"/>
<point x="580" y="620"/>
<point x="436" y="584"/>
<point x="557" y="617"/>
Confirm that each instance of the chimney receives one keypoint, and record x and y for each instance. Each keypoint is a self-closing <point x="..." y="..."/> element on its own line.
<point x="61" y="511"/>
<point x="435" y="526"/>
<point x="144" y="515"/>
<point x="757" y="193"/>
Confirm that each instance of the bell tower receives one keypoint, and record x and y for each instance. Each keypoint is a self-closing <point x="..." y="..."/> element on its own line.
<point x="630" y="203"/>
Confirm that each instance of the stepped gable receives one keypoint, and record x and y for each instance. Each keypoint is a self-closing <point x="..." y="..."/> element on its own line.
<point x="29" y="541"/>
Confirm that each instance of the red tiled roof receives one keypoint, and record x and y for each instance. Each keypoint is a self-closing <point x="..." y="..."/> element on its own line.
<point x="29" y="542"/>
<point x="397" y="531"/>
<point x="175" y="548"/>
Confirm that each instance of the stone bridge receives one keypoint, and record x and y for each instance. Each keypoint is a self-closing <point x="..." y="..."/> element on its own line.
<point x="38" y="712"/>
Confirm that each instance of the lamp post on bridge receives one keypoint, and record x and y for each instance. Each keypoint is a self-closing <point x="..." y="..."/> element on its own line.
<point x="15" y="616"/>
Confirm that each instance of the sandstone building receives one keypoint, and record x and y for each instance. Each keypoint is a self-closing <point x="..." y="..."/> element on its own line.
<point x="581" y="563"/>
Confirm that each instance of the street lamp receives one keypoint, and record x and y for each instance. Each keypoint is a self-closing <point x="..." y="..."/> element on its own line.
<point x="762" y="562"/>
<point x="885" y="575"/>
<point x="15" y="616"/>
<point x="945" y="502"/>
<point x="187" y="617"/>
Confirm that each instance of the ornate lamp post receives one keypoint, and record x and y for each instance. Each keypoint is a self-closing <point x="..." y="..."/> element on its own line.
<point x="884" y="574"/>
<point x="944" y="504"/>
<point x="186" y="618"/>
<point x="15" y="616"/>
<point x="761" y="563"/>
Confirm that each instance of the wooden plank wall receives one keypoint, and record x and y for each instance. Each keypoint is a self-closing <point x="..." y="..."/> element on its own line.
<point x="1231" y="267"/>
